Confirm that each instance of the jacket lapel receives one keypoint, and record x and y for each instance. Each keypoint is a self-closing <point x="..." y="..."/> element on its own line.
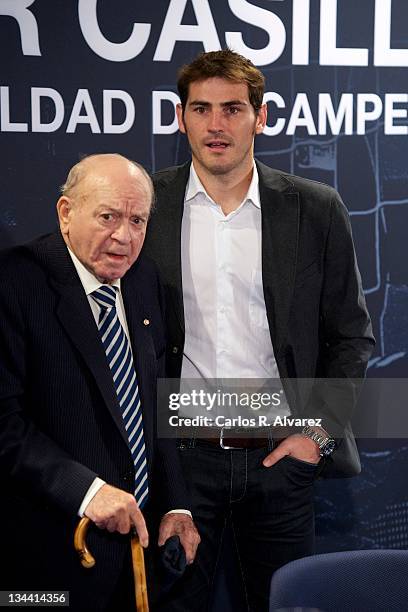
<point x="144" y="355"/>
<point x="75" y="316"/>
<point x="172" y="193"/>
<point x="280" y="233"/>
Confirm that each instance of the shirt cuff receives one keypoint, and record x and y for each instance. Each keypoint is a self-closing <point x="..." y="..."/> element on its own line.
<point x="92" y="491"/>
<point x="179" y="511"/>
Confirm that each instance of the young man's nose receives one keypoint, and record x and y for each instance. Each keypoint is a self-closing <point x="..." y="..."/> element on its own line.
<point x="215" y="121"/>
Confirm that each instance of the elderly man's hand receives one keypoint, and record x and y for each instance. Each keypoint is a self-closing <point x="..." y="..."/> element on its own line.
<point x="183" y="526"/>
<point x="297" y="446"/>
<point x="117" y="510"/>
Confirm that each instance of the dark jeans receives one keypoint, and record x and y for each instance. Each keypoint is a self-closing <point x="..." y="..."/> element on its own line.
<point x="270" y="509"/>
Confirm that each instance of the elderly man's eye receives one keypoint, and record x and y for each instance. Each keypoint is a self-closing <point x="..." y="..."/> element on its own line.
<point x="107" y="216"/>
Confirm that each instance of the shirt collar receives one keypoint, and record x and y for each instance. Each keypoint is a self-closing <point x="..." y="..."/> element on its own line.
<point x="88" y="280"/>
<point x="253" y="190"/>
<point x="195" y="186"/>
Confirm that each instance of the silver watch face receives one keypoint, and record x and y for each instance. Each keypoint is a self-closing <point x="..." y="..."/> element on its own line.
<point x="328" y="448"/>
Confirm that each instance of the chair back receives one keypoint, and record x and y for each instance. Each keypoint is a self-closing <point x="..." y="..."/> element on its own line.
<point x="360" y="580"/>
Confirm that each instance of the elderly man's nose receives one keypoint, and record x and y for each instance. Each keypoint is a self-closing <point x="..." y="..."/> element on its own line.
<point x="122" y="232"/>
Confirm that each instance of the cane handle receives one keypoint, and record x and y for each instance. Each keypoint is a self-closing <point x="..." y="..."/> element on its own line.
<point x="87" y="560"/>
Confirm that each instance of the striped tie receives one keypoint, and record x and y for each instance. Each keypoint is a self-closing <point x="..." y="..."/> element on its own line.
<point x="120" y="360"/>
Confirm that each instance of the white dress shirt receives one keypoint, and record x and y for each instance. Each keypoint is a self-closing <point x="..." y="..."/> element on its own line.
<point x="227" y="331"/>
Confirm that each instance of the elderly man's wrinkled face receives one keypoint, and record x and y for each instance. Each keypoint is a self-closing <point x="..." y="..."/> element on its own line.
<point x="104" y="223"/>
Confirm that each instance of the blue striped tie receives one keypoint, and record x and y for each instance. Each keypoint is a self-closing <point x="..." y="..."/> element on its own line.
<point x="120" y="360"/>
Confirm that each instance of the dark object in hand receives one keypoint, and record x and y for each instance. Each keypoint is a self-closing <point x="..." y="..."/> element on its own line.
<point x="172" y="562"/>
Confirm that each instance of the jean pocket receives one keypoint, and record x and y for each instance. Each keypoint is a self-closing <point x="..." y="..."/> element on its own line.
<point x="301" y="463"/>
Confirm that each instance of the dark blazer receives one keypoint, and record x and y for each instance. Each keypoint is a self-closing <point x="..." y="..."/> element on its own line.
<point x="315" y="306"/>
<point x="60" y="422"/>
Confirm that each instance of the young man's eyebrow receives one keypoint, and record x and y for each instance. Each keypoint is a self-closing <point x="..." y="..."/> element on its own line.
<point x="199" y="103"/>
<point x="227" y="103"/>
<point x="234" y="103"/>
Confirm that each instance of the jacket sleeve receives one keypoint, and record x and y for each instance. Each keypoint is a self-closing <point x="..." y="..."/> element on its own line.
<point x="30" y="461"/>
<point x="346" y="338"/>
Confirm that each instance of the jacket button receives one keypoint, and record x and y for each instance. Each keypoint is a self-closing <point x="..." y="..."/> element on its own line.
<point x="175" y="350"/>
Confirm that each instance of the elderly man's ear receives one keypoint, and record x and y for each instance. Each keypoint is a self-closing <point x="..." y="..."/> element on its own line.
<point x="64" y="210"/>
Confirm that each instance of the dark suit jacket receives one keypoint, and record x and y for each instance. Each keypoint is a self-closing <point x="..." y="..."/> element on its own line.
<point x="60" y="422"/>
<point x="315" y="306"/>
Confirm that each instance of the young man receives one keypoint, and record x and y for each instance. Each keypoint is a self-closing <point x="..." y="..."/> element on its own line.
<point x="81" y="345"/>
<point x="262" y="282"/>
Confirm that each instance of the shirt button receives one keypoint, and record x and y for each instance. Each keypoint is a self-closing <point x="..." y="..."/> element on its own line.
<point x="175" y="350"/>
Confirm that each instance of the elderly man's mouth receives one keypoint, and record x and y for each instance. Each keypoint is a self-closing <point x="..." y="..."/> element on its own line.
<point x="116" y="256"/>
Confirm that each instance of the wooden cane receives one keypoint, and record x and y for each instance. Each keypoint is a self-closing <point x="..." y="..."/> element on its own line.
<point x="139" y="572"/>
<point x="87" y="560"/>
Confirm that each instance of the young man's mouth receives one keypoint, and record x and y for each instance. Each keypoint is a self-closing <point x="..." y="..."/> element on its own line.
<point x="217" y="145"/>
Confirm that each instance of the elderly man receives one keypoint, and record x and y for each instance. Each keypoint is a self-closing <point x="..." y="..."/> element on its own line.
<point x="81" y="345"/>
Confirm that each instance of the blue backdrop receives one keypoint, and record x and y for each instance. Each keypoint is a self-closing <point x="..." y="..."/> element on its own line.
<point x="89" y="76"/>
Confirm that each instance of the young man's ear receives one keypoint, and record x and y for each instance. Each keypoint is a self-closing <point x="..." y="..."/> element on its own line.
<point x="180" y="119"/>
<point x="261" y="119"/>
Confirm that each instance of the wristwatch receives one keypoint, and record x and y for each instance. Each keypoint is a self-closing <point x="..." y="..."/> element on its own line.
<point x="325" y="443"/>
